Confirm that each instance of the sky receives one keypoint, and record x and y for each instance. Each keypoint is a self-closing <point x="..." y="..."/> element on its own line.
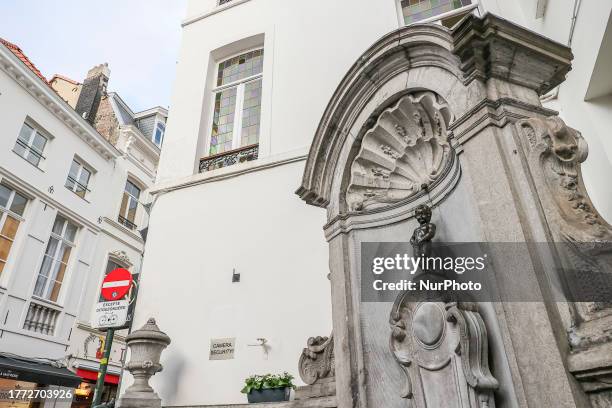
<point x="139" y="39"/>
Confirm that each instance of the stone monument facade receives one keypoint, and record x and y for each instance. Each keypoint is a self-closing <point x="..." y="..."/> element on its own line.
<point x="452" y="119"/>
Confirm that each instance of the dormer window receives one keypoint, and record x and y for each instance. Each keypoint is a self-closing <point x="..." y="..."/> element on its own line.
<point x="158" y="134"/>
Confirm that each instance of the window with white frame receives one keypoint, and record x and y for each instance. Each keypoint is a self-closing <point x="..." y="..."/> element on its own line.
<point x="55" y="262"/>
<point x="448" y="11"/>
<point x="129" y="205"/>
<point x="78" y="178"/>
<point x="237" y="102"/>
<point x="158" y="133"/>
<point x="12" y="207"/>
<point x="31" y="144"/>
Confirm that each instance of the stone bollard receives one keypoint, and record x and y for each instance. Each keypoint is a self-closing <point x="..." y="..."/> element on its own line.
<point x="146" y="345"/>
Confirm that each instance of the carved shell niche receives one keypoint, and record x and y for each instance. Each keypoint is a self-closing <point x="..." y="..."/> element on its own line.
<point x="405" y="151"/>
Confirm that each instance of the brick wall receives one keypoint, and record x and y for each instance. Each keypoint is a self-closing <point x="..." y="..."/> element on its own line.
<point x="106" y="122"/>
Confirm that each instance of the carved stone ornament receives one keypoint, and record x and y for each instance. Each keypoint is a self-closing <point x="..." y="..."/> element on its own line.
<point x="122" y="257"/>
<point x="403" y="154"/>
<point x="443" y="351"/>
<point x="583" y="237"/>
<point x="317" y="359"/>
<point x="584" y="242"/>
<point x="560" y="150"/>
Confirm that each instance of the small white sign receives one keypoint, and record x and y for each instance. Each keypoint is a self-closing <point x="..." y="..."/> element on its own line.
<point x="222" y="349"/>
<point x="111" y="314"/>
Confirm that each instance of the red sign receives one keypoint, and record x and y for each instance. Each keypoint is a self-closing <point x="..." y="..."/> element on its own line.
<point x="116" y="284"/>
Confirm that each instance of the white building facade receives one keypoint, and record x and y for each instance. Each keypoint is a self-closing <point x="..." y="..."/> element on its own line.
<point x="254" y="78"/>
<point x="72" y="208"/>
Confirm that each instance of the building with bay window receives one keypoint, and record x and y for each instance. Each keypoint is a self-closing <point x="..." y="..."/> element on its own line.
<point x="232" y="249"/>
<point x="75" y="166"/>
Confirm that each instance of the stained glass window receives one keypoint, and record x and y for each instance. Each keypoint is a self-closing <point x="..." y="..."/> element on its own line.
<point x="237" y="103"/>
<point x="417" y="10"/>
<point x="223" y="121"/>
<point x="240" y="67"/>
<point x="251" y="110"/>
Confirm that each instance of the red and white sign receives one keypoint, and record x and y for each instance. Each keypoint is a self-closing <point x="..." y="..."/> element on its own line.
<point x="116" y="284"/>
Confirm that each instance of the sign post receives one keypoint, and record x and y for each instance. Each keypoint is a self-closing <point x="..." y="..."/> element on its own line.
<point x="110" y="315"/>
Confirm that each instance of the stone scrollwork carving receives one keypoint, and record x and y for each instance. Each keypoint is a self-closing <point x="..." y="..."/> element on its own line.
<point x="559" y="150"/>
<point x="122" y="257"/>
<point x="443" y="351"/>
<point x="405" y="152"/>
<point x="583" y="237"/>
<point x="317" y="359"/>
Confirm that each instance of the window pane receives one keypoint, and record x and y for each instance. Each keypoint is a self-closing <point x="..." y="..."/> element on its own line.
<point x="5" y="194"/>
<point x="25" y="134"/>
<point x="80" y="190"/>
<point x="58" y="226"/>
<point x="416" y="10"/>
<point x="39" y="143"/>
<point x="131" y="216"/>
<point x="132" y="189"/>
<point x="55" y="289"/>
<point x="9" y="229"/>
<point x="40" y="284"/>
<point x="20" y="148"/>
<point x="52" y="247"/>
<point x="223" y="121"/>
<point x="70" y="233"/>
<point x="5" y="248"/>
<point x="124" y="204"/>
<point x="19" y="203"/>
<point x="240" y="67"/>
<point x="33" y="157"/>
<point x="251" y="113"/>
<point x="74" y="169"/>
<point x="84" y="179"/>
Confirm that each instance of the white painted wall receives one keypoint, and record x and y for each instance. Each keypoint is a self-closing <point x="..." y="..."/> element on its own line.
<point x="246" y="216"/>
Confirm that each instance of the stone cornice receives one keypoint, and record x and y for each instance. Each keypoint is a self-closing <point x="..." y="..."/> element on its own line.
<point x="15" y="69"/>
<point x="491" y="47"/>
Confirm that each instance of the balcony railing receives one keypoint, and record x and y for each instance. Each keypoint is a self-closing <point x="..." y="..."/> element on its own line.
<point x="229" y="158"/>
<point x="41" y="319"/>
<point x="126" y="223"/>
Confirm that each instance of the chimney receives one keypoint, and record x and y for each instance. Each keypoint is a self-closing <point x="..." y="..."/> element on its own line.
<point x="94" y="87"/>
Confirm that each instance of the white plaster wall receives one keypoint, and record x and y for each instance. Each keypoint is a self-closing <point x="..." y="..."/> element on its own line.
<point x="198" y="236"/>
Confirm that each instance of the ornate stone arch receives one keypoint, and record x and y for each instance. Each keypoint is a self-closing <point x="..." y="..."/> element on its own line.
<point x="399" y="64"/>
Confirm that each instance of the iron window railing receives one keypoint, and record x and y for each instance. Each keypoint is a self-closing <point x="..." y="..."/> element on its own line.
<point x="126" y="223"/>
<point x="229" y="158"/>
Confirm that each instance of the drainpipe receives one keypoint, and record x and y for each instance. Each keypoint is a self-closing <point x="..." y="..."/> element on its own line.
<point x="555" y="92"/>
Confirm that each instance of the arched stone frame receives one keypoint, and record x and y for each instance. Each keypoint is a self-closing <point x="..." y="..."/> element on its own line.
<point x="491" y="73"/>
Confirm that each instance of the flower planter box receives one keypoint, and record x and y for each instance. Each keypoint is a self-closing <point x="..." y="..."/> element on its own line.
<point x="268" y="395"/>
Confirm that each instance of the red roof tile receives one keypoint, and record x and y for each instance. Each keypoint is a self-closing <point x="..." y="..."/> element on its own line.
<point x="19" y="54"/>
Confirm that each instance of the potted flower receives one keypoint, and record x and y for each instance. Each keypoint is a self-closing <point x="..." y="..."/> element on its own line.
<point x="268" y="387"/>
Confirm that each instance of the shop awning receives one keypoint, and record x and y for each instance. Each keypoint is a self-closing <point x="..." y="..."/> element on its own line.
<point x="93" y="376"/>
<point x="25" y="369"/>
